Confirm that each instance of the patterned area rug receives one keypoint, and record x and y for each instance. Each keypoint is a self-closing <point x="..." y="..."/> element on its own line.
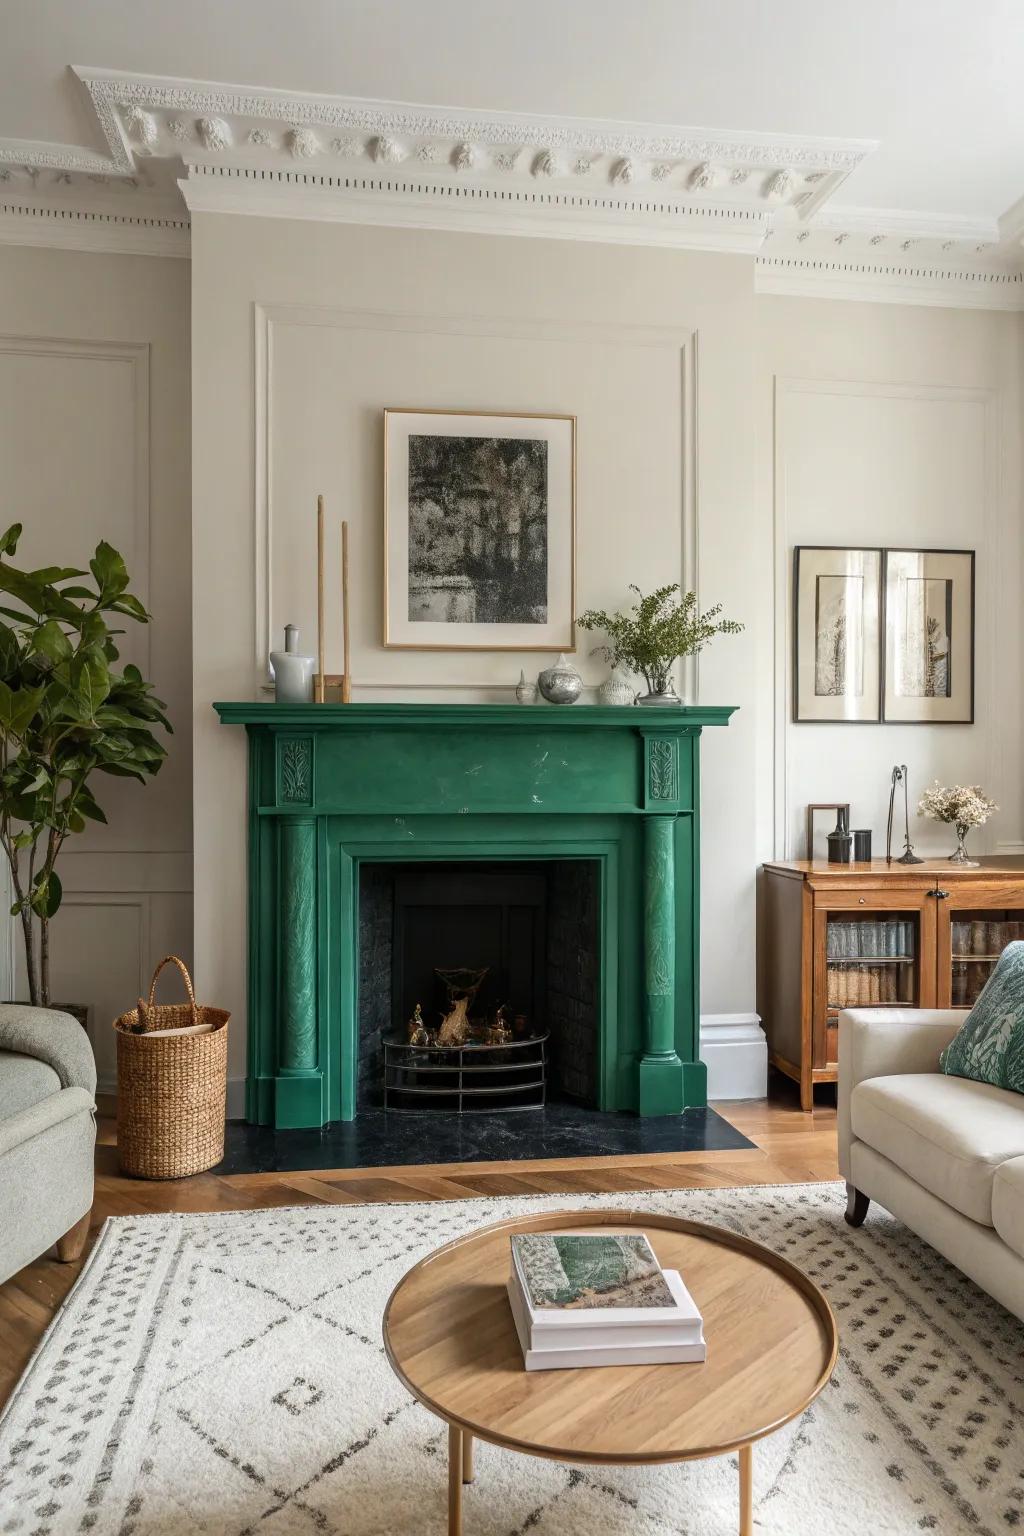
<point x="225" y="1374"/>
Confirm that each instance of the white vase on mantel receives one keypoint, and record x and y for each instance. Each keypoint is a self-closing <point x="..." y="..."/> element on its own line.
<point x="615" y="689"/>
<point x="293" y="673"/>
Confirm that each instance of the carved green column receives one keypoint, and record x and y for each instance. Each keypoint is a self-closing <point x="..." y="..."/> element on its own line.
<point x="661" y="1071"/>
<point x="298" y="1100"/>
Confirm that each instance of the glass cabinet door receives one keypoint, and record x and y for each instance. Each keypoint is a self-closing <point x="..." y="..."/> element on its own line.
<point x="974" y="929"/>
<point x="872" y="959"/>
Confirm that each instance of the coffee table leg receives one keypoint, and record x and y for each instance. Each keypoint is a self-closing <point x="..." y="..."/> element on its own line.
<point x="746" y="1491"/>
<point x="467" y="1456"/>
<point x="454" y="1481"/>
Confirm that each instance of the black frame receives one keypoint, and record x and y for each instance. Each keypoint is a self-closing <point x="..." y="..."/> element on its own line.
<point x="910" y="549"/>
<point x="873" y="549"/>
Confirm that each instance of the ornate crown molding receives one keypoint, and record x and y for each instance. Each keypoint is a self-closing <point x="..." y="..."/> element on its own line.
<point x="297" y="155"/>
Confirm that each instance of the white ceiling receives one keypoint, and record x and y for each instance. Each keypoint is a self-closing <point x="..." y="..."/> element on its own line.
<point x="936" y="82"/>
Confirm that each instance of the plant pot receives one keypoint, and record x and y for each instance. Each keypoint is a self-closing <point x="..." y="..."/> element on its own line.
<point x="665" y="698"/>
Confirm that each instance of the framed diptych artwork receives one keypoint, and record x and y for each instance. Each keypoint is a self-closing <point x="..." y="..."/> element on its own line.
<point x="479" y="531"/>
<point x="884" y="635"/>
<point x="837" y="659"/>
<point x="929" y="636"/>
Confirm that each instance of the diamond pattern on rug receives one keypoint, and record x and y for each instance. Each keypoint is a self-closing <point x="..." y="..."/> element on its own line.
<point x="225" y="1374"/>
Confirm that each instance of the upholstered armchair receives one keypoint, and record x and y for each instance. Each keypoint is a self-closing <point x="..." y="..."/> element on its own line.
<point x="47" y="1135"/>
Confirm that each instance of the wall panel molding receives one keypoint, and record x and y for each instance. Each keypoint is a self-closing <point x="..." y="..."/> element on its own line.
<point x="266" y="317"/>
<point x="982" y="531"/>
<point x="134" y="355"/>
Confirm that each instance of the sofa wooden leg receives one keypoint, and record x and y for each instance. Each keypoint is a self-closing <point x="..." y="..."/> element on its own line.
<point x="856" y="1206"/>
<point x="71" y="1245"/>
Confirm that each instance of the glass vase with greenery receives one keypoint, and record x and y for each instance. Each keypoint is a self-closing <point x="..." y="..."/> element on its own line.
<point x="66" y="715"/>
<point x="650" y="637"/>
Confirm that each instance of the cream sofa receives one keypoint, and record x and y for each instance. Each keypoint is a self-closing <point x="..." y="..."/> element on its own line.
<point x="944" y="1154"/>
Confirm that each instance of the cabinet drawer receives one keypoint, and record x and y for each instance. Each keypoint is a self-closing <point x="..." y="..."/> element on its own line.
<point x="905" y="900"/>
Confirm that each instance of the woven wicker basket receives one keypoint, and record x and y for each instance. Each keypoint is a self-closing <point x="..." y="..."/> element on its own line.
<point x="171" y="1087"/>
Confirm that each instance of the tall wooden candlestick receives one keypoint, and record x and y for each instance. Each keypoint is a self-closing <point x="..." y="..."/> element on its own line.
<point x="320" y="679"/>
<point x="346" y="677"/>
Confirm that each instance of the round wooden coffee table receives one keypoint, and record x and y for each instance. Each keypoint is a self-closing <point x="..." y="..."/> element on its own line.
<point x="771" y="1338"/>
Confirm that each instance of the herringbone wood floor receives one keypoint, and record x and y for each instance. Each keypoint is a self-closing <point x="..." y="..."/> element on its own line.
<point x="790" y="1147"/>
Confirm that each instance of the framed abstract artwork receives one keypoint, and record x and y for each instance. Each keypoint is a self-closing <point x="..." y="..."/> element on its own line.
<point x="837" y="626"/>
<point x="479" y="531"/>
<point x="928" y="664"/>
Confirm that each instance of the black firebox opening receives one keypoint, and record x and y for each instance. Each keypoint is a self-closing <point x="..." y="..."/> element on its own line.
<point x="533" y="925"/>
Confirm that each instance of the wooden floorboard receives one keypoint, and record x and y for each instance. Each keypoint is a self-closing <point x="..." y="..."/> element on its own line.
<point x="790" y="1147"/>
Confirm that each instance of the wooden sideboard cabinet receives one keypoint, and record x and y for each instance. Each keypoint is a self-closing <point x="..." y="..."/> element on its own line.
<point x="874" y="935"/>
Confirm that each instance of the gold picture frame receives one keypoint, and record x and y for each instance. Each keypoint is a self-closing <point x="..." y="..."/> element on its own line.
<point x="426" y="631"/>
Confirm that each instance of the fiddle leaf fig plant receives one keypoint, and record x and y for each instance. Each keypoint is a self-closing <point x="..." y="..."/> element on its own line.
<point x="656" y="631"/>
<point x="66" y="715"/>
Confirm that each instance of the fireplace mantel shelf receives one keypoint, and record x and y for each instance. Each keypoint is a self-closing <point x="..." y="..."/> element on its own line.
<point x="573" y="717"/>
<point x="335" y="786"/>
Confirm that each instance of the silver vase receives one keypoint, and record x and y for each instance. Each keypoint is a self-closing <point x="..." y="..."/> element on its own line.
<point x="661" y="694"/>
<point x="560" y="684"/>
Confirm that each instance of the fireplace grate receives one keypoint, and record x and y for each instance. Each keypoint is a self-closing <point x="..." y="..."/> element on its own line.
<point x="475" y="1077"/>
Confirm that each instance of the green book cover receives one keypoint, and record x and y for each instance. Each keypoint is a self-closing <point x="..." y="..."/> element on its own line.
<point x="576" y="1270"/>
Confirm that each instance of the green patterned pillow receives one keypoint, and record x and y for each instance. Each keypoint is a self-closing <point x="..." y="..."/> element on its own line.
<point x="989" y="1046"/>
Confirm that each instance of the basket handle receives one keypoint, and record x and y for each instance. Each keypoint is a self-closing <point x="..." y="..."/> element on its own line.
<point x="186" y="978"/>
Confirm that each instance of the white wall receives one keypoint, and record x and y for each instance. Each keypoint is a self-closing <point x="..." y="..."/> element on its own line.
<point x="894" y="425"/>
<point x="94" y="443"/>
<point x="900" y="426"/>
<point x="389" y="317"/>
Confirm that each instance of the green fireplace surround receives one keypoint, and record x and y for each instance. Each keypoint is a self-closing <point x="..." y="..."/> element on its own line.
<point x="332" y="786"/>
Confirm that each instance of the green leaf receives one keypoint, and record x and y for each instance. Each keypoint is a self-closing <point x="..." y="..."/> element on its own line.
<point x="131" y="605"/>
<point x="52" y="642"/>
<point x="110" y="572"/>
<point x="9" y="540"/>
<point x="46" y="894"/>
<point x="17" y="707"/>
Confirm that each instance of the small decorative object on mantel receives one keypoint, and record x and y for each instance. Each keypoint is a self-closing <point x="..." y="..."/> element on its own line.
<point x="479" y="530"/>
<point x="840" y="840"/>
<point x="331" y="688"/>
<point x="293" y="674"/>
<point x="962" y="805"/>
<point x="654" y="633"/>
<point x="908" y="856"/>
<point x="862" y="845"/>
<point x="561" y="683"/>
<point x="615" y="690"/>
<point x="526" y="692"/>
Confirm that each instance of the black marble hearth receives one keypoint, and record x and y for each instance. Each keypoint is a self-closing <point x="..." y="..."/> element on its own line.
<point x="377" y="1139"/>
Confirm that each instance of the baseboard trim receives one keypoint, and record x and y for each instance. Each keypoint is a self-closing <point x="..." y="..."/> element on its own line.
<point x="734" y="1049"/>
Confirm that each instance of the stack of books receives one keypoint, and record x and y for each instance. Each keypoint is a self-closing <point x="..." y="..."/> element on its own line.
<point x="585" y="1298"/>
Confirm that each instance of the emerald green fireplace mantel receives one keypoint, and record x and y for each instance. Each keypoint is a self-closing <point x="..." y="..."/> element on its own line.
<point x="333" y="786"/>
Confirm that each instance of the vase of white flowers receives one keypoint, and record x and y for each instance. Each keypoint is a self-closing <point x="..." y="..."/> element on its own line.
<point x="962" y="805"/>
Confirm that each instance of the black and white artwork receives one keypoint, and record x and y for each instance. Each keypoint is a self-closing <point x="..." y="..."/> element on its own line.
<point x="929" y="636"/>
<point x="837" y="663"/>
<point x="839" y="636"/>
<point x="479" y="531"/>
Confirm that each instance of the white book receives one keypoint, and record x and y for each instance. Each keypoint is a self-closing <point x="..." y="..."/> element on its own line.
<point x="640" y="1352"/>
<point x="577" y="1281"/>
<point x="599" y="1328"/>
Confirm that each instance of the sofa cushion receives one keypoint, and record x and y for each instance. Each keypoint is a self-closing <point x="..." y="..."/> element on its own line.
<point x="1008" y="1203"/>
<point x="24" y="1081"/>
<point x="989" y="1046"/>
<point x="948" y="1133"/>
